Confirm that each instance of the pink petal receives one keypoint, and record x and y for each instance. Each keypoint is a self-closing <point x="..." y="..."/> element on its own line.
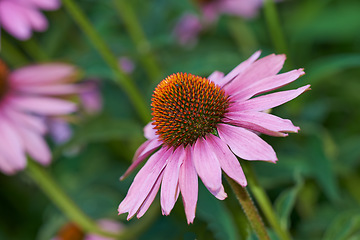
<point x="188" y="183"/>
<point x="144" y="182"/>
<point x="206" y="165"/>
<point x="150" y="198"/>
<point x="268" y="101"/>
<point x="44" y="105"/>
<point x="220" y="193"/>
<point x="216" y="77"/>
<point x="149" y="131"/>
<point x="35" y="145"/>
<point x="46" y="4"/>
<point x="239" y="69"/>
<point x="263" y="122"/>
<point x="141" y="154"/>
<point x="262" y="68"/>
<point x="246" y="144"/>
<point x="50" y="89"/>
<point x="267" y="84"/>
<point x="14" y="21"/>
<point x="228" y="162"/>
<point x="43" y="74"/>
<point x="169" y="185"/>
<point x="5" y="166"/>
<point x="36" y="19"/>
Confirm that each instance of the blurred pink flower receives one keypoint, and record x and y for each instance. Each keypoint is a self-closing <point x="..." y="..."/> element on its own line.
<point x="200" y="124"/>
<point x="26" y="96"/>
<point x="187" y="29"/>
<point x="126" y="64"/>
<point x="244" y="8"/>
<point x="90" y="96"/>
<point x="21" y="17"/>
<point x="108" y="225"/>
<point x="59" y="129"/>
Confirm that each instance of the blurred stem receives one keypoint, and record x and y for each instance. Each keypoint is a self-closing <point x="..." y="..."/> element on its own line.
<point x="243" y="35"/>
<point x="264" y="202"/>
<point x="33" y="49"/>
<point x="275" y="30"/>
<point x="249" y="208"/>
<point x="62" y="201"/>
<point x="11" y="54"/>
<point x="126" y="13"/>
<point x="121" y="77"/>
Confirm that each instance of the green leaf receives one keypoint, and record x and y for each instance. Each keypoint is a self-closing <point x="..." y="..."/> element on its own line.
<point x="345" y="226"/>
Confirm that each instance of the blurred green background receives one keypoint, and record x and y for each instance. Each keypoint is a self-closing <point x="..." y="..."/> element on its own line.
<point x="315" y="185"/>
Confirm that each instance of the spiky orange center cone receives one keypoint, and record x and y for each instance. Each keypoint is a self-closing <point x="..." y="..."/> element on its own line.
<point x="186" y="107"/>
<point x="4" y="72"/>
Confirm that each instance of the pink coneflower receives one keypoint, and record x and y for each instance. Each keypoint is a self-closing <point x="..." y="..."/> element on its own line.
<point x="21" y="17"/>
<point x="26" y="95"/>
<point x="200" y="124"/>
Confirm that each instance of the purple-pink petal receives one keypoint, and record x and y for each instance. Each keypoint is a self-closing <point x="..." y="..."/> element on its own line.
<point x="206" y="165"/>
<point x="59" y="89"/>
<point x="228" y="162"/>
<point x="216" y="77"/>
<point x="188" y="184"/>
<point x="246" y="144"/>
<point x="36" y="19"/>
<point x="169" y="185"/>
<point x="149" y="131"/>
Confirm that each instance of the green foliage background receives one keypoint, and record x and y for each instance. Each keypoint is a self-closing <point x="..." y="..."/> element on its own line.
<point x="314" y="187"/>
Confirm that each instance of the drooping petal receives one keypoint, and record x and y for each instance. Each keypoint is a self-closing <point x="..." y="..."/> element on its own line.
<point x="144" y="182"/>
<point x="246" y="144"/>
<point x="262" y="68"/>
<point x="216" y="76"/>
<point x="46" y="4"/>
<point x="267" y="84"/>
<point x="263" y="122"/>
<point x="268" y="101"/>
<point x="14" y="21"/>
<point x="50" y="89"/>
<point x="239" y="69"/>
<point x="206" y="165"/>
<point x="228" y="162"/>
<point x="169" y="185"/>
<point x="43" y="105"/>
<point x="36" y="19"/>
<point x="188" y="183"/>
<point x="149" y="131"/>
<point x="47" y="73"/>
<point x="141" y="154"/>
<point x="5" y="166"/>
<point x="150" y="198"/>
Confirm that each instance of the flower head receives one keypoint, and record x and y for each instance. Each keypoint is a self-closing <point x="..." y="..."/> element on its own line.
<point x="199" y="127"/>
<point x="21" y="17"/>
<point x="26" y="95"/>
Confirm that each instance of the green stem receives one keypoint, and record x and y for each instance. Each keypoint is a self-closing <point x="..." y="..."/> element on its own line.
<point x="121" y="77"/>
<point x="62" y="201"/>
<point x="272" y="20"/>
<point x="243" y="36"/>
<point x="264" y="203"/>
<point x="33" y="49"/>
<point x="11" y="54"/>
<point x="126" y="13"/>
<point x="249" y="208"/>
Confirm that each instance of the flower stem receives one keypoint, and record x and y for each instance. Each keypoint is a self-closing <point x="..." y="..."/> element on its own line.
<point x="126" y="13"/>
<point x="62" y="201"/>
<point x="121" y="77"/>
<point x="249" y="208"/>
<point x="272" y="20"/>
<point x="264" y="203"/>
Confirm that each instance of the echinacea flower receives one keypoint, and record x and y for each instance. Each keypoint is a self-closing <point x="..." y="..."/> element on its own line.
<point x="21" y="17"/>
<point x="26" y="96"/>
<point x="199" y="127"/>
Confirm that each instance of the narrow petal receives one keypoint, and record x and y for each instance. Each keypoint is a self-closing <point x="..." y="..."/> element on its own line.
<point x="14" y="21"/>
<point x="170" y="180"/>
<point x="239" y="69"/>
<point x="262" y="68"/>
<point x="141" y="154"/>
<point x="263" y="122"/>
<point x="267" y="84"/>
<point x="216" y="77"/>
<point x="188" y="183"/>
<point x="268" y="101"/>
<point x="149" y="131"/>
<point x="5" y="166"/>
<point x="220" y="193"/>
<point x="50" y="89"/>
<point x="246" y="144"/>
<point x="144" y="182"/>
<point x="150" y="198"/>
<point x="46" y="4"/>
<point x="206" y="165"/>
<point x="44" y="105"/>
<point x="43" y="74"/>
<point x="36" y="19"/>
<point x="228" y="162"/>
